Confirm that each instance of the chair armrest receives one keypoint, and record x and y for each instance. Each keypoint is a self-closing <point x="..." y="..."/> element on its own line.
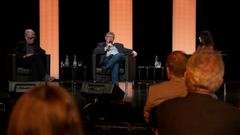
<point x="48" y="62"/>
<point x="12" y="67"/>
<point x="130" y="68"/>
<point x="94" y="56"/>
<point x="126" y="67"/>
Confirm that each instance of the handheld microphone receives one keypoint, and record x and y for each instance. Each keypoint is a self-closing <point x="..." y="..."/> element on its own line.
<point x="110" y="44"/>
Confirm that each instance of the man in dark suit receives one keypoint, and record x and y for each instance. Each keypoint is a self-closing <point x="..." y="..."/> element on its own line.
<point x="200" y="112"/>
<point x="31" y="55"/>
<point x="112" y="54"/>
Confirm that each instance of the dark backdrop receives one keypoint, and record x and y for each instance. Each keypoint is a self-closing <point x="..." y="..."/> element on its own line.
<point x="16" y="16"/>
<point x="152" y="30"/>
<point x="82" y="25"/>
<point x="221" y="18"/>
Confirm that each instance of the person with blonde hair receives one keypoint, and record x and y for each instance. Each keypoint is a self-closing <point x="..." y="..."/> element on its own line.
<point x="111" y="55"/>
<point x="200" y="112"/>
<point x="45" y="110"/>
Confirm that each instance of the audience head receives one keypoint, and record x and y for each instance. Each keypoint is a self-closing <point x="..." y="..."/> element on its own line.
<point x="45" y="110"/>
<point x="176" y="64"/>
<point x="204" y="70"/>
<point x="206" y="38"/>
<point x="29" y="36"/>
<point x="110" y="36"/>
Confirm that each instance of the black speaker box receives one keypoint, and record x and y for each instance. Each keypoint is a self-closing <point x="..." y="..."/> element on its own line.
<point x="102" y="91"/>
<point x="16" y="86"/>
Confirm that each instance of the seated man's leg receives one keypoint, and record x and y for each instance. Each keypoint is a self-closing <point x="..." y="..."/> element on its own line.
<point x="37" y="67"/>
<point x="113" y="64"/>
<point x="114" y="73"/>
<point x="117" y="58"/>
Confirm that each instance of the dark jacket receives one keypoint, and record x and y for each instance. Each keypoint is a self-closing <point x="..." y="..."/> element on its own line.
<point x="197" y="114"/>
<point x="20" y="49"/>
<point x="99" y="50"/>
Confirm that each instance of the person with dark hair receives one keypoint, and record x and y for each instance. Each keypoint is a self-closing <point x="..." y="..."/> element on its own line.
<point x="45" y="110"/>
<point x="112" y="54"/>
<point x="174" y="87"/>
<point x="31" y="55"/>
<point x="200" y="112"/>
<point x="206" y="40"/>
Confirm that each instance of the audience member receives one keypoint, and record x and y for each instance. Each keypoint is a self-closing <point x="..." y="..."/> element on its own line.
<point x="200" y="112"/>
<point x="174" y="87"/>
<point x="31" y="55"/>
<point x="111" y="55"/>
<point x="45" y="110"/>
<point x="206" y="40"/>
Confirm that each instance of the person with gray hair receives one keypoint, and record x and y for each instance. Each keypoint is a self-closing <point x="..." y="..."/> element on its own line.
<point x="31" y="55"/>
<point x="200" y="112"/>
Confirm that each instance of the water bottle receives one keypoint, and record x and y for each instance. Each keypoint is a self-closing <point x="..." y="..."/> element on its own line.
<point x="79" y="63"/>
<point x="156" y="61"/>
<point x="66" y="61"/>
<point x="74" y="61"/>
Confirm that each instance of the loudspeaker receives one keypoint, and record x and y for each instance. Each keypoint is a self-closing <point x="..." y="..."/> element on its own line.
<point x="102" y="91"/>
<point x="22" y="86"/>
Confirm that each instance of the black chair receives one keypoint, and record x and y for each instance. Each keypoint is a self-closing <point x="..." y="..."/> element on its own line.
<point x="126" y="71"/>
<point x="16" y="73"/>
<point x="153" y="117"/>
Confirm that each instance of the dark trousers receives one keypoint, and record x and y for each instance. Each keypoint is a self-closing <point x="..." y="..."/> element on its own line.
<point x="36" y="64"/>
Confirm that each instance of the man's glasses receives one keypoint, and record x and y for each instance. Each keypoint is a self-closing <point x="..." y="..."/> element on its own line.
<point x="30" y="38"/>
<point x="109" y="36"/>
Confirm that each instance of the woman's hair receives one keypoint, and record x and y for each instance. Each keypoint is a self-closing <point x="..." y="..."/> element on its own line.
<point x="45" y="110"/>
<point x="205" y="70"/>
<point x="206" y="38"/>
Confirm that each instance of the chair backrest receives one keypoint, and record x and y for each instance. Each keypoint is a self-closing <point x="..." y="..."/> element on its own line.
<point x="126" y="71"/>
<point x="231" y="93"/>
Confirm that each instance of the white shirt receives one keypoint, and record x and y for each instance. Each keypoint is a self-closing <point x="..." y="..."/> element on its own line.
<point x="111" y="51"/>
